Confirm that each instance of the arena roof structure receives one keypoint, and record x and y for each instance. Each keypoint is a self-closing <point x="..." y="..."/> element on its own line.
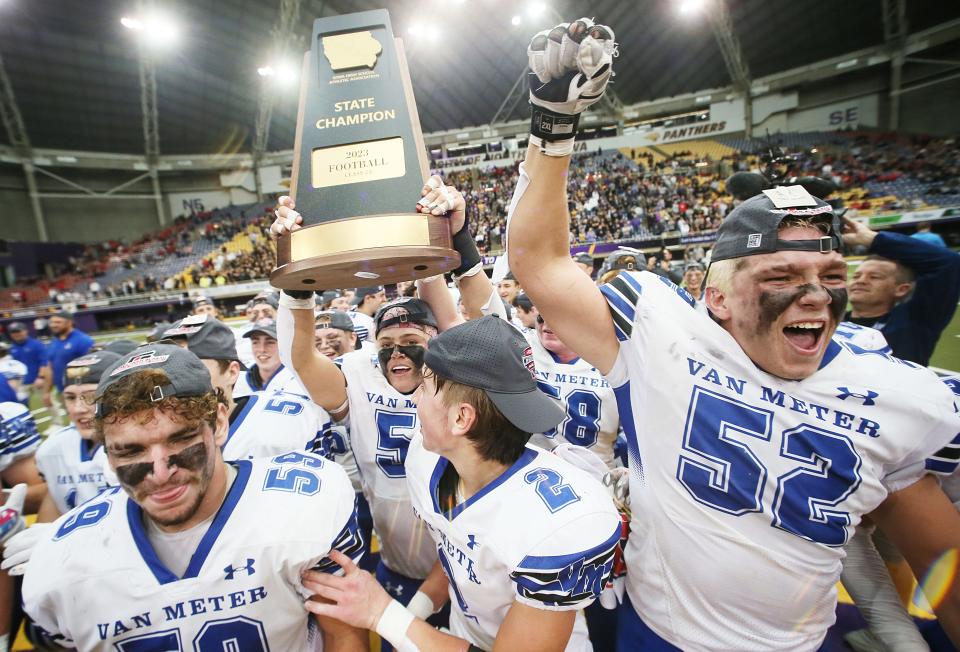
<point x="75" y="74"/>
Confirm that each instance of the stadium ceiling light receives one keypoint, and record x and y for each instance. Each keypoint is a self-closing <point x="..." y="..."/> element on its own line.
<point x="690" y="7"/>
<point x="286" y="74"/>
<point x="156" y="30"/>
<point x="536" y="9"/>
<point x="516" y="20"/>
<point x="265" y="71"/>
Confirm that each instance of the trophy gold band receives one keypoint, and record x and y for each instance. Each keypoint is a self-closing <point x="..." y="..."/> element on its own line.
<point x="358" y="166"/>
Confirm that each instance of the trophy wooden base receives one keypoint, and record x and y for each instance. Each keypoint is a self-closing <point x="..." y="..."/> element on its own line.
<point x="363" y="251"/>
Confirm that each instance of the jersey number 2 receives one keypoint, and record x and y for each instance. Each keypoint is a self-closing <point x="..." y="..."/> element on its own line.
<point x="722" y="472"/>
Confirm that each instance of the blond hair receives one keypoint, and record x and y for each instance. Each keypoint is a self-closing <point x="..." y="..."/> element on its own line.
<point x="720" y="273"/>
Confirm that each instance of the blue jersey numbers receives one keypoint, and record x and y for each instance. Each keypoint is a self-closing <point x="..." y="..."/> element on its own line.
<point x="581" y="427"/>
<point x="394" y="430"/>
<point x="549" y="484"/>
<point x="238" y="634"/>
<point x="294" y="474"/>
<point x="721" y="470"/>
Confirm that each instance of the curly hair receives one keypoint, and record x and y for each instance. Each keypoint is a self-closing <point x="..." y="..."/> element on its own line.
<point x="130" y="398"/>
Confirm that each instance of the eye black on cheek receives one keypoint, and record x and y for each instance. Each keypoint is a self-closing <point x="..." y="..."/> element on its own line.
<point x="133" y="474"/>
<point x="191" y="458"/>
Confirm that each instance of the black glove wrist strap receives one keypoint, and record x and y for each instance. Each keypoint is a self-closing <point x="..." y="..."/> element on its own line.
<point x="466" y="246"/>
<point x="552" y="126"/>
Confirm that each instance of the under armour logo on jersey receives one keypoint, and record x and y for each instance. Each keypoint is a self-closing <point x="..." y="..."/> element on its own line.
<point x="867" y="398"/>
<point x="394" y="589"/>
<point x="472" y="542"/>
<point x="232" y="570"/>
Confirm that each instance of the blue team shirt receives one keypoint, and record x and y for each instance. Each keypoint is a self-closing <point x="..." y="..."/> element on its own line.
<point x="7" y="395"/>
<point x="63" y="351"/>
<point x="32" y="353"/>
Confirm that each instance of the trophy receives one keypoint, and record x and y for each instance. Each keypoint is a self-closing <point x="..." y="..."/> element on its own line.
<point x="359" y="164"/>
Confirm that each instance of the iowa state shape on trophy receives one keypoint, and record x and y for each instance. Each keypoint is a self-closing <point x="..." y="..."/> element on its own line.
<point x="358" y="165"/>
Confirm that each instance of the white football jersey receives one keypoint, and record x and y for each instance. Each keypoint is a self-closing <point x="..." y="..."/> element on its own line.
<point x="284" y="379"/>
<point x="543" y="533"/>
<point x="98" y="584"/>
<point x="14" y="370"/>
<point x="244" y="344"/>
<point x="592" y="419"/>
<point x="744" y="486"/>
<point x="70" y="465"/>
<point x="274" y="422"/>
<point x="381" y="423"/>
<point x="19" y="437"/>
<point x="336" y="446"/>
<point x="363" y="325"/>
<point x="862" y="337"/>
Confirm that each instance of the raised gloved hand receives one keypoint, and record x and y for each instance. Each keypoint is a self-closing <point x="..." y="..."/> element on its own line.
<point x="441" y="199"/>
<point x="11" y="520"/>
<point x="19" y="548"/>
<point x="570" y="66"/>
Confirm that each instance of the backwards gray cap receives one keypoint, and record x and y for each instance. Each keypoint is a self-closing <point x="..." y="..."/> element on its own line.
<point x="87" y="369"/>
<point x="363" y="293"/>
<point x="753" y="227"/>
<point x="207" y="338"/>
<point x="121" y="347"/>
<point x="491" y="355"/>
<point x="333" y="319"/>
<point x="186" y="375"/>
<point x="405" y="311"/>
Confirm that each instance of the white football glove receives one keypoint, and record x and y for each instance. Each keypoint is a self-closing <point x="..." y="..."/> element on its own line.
<point x="19" y="548"/>
<point x="570" y="66"/>
<point x="11" y="520"/>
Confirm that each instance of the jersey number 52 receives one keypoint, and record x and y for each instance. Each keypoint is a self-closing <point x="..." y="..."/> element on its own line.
<point x="722" y="472"/>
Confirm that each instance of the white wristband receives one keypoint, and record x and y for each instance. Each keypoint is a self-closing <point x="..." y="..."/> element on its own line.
<point x="553" y="147"/>
<point x="297" y="304"/>
<point x="473" y="271"/>
<point x="393" y="625"/>
<point x="428" y="279"/>
<point x="421" y="605"/>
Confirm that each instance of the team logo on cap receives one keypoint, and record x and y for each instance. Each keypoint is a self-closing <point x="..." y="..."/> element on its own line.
<point x="753" y="240"/>
<point x="396" y="312"/>
<point x="816" y="210"/>
<point x="85" y="361"/>
<point x="527" y="356"/>
<point x="140" y="360"/>
<point x="323" y="321"/>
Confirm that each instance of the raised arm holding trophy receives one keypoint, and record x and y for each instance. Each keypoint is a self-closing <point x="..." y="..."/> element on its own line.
<point x="359" y="164"/>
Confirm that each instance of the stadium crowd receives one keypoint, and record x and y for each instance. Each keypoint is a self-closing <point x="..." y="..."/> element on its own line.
<point x="612" y="197"/>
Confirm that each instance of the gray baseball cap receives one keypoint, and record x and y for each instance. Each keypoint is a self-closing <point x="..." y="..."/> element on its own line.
<point x="583" y="257"/>
<point x="753" y="228"/>
<point x="402" y="312"/>
<point x="269" y="298"/>
<point x="333" y="319"/>
<point x="87" y="369"/>
<point x="490" y="354"/>
<point x="265" y="326"/>
<point x="121" y="347"/>
<point x="158" y="330"/>
<point x="208" y="338"/>
<point x="186" y="375"/>
<point x="363" y="293"/>
<point x="16" y="327"/>
<point x="330" y="295"/>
